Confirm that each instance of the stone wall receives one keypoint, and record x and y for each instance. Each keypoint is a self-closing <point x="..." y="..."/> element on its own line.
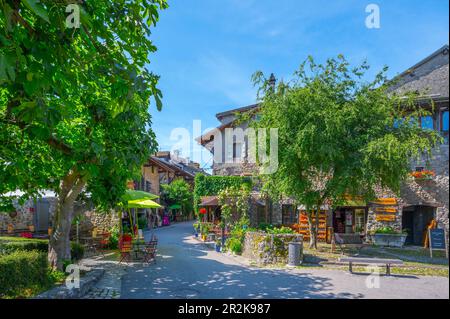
<point x="266" y="248"/>
<point x="103" y="221"/>
<point x="21" y="219"/>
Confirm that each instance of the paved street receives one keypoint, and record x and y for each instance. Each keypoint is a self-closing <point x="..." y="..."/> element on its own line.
<point x="187" y="269"/>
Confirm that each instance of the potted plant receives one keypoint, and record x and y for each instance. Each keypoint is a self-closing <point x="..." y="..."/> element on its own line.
<point x="387" y="236"/>
<point x="196" y="228"/>
<point x="218" y="245"/>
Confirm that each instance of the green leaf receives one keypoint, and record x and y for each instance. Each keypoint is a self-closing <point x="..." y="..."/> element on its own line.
<point x="37" y="9"/>
<point x="7" y="71"/>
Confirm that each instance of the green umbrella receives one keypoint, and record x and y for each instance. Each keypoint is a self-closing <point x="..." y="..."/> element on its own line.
<point x="131" y="195"/>
<point x="146" y="203"/>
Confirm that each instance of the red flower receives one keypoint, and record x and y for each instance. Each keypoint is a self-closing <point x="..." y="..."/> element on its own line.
<point x="202" y="211"/>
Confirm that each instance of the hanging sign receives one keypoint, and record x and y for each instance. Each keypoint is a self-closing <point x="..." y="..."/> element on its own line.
<point x="386" y="210"/>
<point x="386" y="201"/>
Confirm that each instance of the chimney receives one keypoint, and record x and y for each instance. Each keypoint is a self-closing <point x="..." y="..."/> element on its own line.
<point x="163" y="154"/>
<point x="272" y="81"/>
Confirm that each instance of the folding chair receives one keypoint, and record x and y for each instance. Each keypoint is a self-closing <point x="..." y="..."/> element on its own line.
<point x="125" y="251"/>
<point x="150" y="252"/>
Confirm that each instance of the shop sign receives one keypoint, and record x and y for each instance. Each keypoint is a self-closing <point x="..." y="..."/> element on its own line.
<point x="438" y="240"/>
<point x="386" y="210"/>
<point x="386" y="201"/>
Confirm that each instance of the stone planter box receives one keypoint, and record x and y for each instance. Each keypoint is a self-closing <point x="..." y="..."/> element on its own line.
<point x="389" y="240"/>
<point x="267" y="249"/>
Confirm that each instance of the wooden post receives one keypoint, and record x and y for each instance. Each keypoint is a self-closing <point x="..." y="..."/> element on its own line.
<point x="429" y="243"/>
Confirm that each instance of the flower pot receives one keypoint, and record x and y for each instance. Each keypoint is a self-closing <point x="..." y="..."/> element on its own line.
<point x="389" y="240"/>
<point x="204" y="237"/>
<point x="218" y="248"/>
<point x="196" y="235"/>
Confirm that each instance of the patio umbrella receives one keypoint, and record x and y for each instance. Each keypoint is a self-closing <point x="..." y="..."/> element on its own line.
<point x="136" y="199"/>
<point x="131" y="194"/>
<point x="143" y="203"/>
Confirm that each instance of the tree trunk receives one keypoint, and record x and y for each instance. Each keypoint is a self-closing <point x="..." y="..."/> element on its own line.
<point x="59" y="244"/>
<point x="312" y="231"/>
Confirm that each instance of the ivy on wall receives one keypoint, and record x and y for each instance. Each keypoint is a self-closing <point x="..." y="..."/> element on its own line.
<point x="213" y="185"/>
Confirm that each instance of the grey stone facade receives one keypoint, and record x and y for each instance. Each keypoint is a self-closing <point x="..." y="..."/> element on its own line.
<point x="428" y="78"/>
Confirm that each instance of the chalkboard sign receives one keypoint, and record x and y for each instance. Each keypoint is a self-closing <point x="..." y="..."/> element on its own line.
<point x="437" y="240"/>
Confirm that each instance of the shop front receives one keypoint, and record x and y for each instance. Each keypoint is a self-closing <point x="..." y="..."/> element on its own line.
<point x="350" y="220"/>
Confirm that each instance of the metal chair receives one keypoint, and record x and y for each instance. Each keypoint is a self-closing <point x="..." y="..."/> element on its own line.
<point x="126" y="248"/>
<point x="150" y="251"/>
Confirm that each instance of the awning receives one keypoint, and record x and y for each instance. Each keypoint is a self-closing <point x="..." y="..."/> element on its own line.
<point x="175" y="206"/>
<point x="209" y="201"/>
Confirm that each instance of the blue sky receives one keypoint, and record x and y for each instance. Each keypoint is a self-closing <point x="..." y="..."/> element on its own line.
<point x="208" y="49"/>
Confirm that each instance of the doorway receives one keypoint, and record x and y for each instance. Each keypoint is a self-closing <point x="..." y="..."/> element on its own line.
<point x="415" y="220"/>
<point x="42" y="218"/>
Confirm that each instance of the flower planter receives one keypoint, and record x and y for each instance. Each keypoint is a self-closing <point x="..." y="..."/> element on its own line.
<point x="389" y="240"/>
<point x="218" y="248"/>
<point x="196" y="235"/>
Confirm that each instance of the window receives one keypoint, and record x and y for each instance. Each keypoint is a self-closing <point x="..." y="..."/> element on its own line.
<point x="444" y="125"/>
<point x="444" y="121"/>
<point x="360" y="220"/>
<point x="426" y="122"/>
<point x="289" y="215"/>
<point x="261" y="211"/>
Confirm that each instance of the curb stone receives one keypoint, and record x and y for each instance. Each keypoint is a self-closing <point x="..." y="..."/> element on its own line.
<point x="86" y="283"/>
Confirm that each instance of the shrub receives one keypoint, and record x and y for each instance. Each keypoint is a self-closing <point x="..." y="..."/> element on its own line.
<point x="280" y="230"/>
<point x="12" y="244"/>
<point x="22" y="270"/>
<point x="387" y="230"/>
<point x="235" y="245"/>
<point x="76" y="251"/>
<point x="114" y="238"/>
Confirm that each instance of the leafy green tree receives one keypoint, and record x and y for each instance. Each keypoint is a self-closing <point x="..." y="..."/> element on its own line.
<point x="74" y="102"/>
<point x="339" y="135"/>
<point x="178" y="192"/>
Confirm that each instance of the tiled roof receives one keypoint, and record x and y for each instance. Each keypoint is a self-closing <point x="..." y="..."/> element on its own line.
<point x="429" y="77"/>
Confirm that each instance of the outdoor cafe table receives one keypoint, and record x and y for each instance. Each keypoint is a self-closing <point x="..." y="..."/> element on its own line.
<point x="138" y="247"/>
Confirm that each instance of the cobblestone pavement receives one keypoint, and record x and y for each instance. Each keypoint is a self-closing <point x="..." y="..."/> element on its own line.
<point x="109" y="286"/>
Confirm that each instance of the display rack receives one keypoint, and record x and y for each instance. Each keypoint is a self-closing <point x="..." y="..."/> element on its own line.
<point x="303" y="226"/>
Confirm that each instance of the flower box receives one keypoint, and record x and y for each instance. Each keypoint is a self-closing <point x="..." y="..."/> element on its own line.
<point x="389" y="240"/>
<point x="424" y="175"/>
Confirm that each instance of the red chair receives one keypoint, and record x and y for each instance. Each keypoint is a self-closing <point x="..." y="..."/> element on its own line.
<point x="126" y="247"/>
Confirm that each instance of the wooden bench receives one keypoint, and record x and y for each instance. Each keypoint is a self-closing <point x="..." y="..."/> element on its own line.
<point x="371" y="261"/>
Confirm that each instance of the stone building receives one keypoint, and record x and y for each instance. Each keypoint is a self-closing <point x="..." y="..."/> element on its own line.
<point x="421" y="200"/>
